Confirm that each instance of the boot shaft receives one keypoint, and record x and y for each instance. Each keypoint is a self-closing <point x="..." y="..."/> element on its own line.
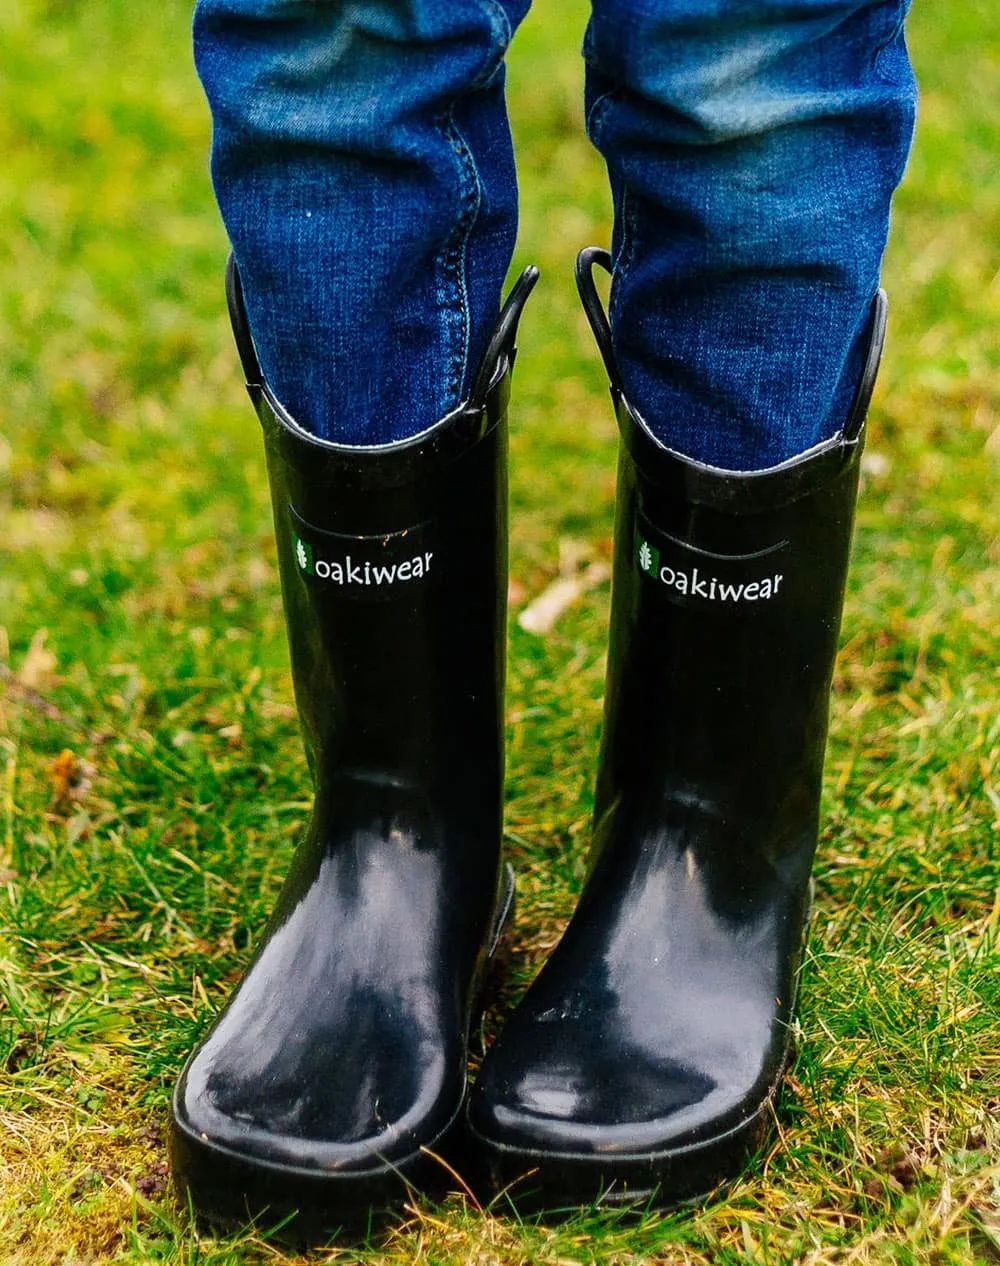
<point x="383" y="588"/>
<point x="393" y="563"/>
<point x="726" y="608"/>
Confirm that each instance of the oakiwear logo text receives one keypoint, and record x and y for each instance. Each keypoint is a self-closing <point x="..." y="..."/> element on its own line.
<point x="351" y="572"/>
<point x="690" y="580"/>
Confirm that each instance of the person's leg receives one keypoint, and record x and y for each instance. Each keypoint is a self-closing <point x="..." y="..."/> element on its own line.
<point x="753" y="149"/>
<point x="363" y="167"/>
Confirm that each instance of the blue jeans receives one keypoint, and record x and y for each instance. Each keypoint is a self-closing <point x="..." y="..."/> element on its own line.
<point x="363" y="165"/>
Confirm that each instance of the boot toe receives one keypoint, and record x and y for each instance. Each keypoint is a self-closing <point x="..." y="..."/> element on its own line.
<point x="304" y="1128"/>
<point x="289" y="1160"/>
<point x="576" y="1116"/>
<point x="632" y="1104"/>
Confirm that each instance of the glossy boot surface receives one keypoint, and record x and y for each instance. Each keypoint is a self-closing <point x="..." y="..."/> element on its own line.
<point x="644" y="1061"/>
<point x="333" y="1077"/>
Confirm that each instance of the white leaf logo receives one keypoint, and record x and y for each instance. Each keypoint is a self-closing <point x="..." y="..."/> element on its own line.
<point x="300" y="552"/>
<point x="645" y="557"/>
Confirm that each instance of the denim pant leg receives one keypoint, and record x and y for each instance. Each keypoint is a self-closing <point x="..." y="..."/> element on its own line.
<point x="363" y="166"/>
<point x="753" y="147"/>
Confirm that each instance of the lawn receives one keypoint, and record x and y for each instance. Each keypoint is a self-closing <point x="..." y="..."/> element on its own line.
<point x="151" y="779"/>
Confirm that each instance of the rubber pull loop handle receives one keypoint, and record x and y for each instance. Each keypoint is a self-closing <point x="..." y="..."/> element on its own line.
<point x="866" y="383"/>
<point x="241" y="326"/>
<point x="502" y="344"/>
<point x="594" y="308"/>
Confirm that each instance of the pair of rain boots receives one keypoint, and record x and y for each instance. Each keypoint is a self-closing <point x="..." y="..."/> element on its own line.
<point x="644" y="1062"/>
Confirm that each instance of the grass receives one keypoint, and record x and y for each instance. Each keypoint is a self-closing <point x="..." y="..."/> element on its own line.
<point x="151" y="779"/>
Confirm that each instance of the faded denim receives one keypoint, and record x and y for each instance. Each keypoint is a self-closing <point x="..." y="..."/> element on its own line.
<point x="363" y="165"/>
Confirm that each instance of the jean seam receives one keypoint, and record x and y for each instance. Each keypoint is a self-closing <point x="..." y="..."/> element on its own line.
<point x="502" y="34"/>
<point x="453" y="292"/>
<point x="622" y="262"/>
<point x="595" y="115"/>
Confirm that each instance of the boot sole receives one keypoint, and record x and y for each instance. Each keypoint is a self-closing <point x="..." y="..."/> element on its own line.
<point x="225" y="1189"/>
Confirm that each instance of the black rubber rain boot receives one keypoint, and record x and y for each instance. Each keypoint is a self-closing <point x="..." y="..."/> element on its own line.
<point x="643" y="1063"/>
<point x="330" y="1083"/>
